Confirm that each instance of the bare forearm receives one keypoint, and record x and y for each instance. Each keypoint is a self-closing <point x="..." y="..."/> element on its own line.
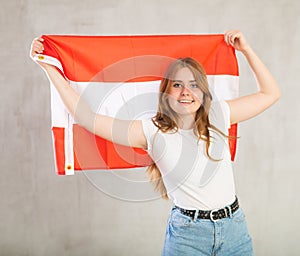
<point x="266" y="82"/>
<point x="66" y="92"/>
<point x="75" y="105"/>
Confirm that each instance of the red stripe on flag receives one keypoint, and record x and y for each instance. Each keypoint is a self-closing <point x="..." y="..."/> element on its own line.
<point x="90" y="152"/>
<point x="59" y="149"/>
<point x="232" y="142"/>
<point x="84" y="57"/>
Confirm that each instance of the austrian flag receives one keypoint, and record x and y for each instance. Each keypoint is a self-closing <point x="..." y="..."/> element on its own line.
<point x="119" y="76"/>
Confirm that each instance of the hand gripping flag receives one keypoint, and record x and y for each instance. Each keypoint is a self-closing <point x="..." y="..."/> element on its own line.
<point x="119" y="76"/>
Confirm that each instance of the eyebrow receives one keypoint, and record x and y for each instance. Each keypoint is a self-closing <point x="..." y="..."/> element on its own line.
<point x="191" y="81"/>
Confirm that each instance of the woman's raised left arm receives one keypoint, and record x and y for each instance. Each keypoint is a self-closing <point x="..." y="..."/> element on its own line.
<point x="268" y="93"/>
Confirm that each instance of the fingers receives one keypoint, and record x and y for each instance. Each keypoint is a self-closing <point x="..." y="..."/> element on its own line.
<point x="237" y="40"/>
<point x="37" y="46"/>
<point x="231" y="35"/>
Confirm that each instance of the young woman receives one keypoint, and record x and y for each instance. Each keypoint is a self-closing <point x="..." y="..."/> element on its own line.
<point x="188" y="141"/>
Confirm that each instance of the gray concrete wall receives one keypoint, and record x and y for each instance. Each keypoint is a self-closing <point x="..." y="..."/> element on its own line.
<point x="43" y="214"/>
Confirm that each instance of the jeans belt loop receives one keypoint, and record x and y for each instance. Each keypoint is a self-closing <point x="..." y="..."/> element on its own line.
<point x="229" y="210"/>
<point x="196" y="215"/>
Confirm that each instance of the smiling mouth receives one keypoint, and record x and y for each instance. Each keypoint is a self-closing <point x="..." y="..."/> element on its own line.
<point x="186" y="101"/>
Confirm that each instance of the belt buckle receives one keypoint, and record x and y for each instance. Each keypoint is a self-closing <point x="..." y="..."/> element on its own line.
<point x="212" y="217"/>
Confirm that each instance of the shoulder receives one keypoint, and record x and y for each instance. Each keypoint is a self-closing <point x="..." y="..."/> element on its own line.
<point x="149" y="129"/>
<point x="149" y="126"/>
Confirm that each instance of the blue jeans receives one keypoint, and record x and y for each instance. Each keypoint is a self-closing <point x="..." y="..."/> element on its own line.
<point x="225" y="237"/>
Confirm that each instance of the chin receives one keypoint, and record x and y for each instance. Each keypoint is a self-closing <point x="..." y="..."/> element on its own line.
<point x="184" y="112"/>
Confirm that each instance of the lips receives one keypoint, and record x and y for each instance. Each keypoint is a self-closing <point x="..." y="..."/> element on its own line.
<point x="185" y="101"/>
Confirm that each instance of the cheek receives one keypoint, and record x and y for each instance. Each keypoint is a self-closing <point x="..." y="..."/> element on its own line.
<point x="173" y="93"/>
<point x="172" y="97"/>
<point x="198" y="96"/>
<point x="172" y="100"/>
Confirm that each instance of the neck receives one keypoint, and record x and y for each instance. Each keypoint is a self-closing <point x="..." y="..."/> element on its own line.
<point x="186" y="122"/>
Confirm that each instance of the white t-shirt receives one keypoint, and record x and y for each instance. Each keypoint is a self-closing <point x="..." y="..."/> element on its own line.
<point x="192" y="180"/>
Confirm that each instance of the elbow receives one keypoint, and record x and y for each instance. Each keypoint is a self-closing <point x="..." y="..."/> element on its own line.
<point x="86" y="120"/>
<point x="274" y="98"/>
<point x="277" y="95"/>
<point x="83" y="123"/>
<point x="86" y="126"/>
<point x="274" y="95"/>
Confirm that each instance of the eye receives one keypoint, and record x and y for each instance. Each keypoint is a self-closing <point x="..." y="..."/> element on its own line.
<point x="194" y="86"/>
<point x="177" y="85"/>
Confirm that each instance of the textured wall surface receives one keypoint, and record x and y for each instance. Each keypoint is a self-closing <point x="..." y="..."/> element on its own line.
<point x="44" y="214"/>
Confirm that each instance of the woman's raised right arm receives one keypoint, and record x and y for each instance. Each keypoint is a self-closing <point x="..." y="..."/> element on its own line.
<point x="124" y="132"/>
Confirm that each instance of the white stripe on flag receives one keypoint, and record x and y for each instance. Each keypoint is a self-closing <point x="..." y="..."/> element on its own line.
<point x="66" y="121"/>
<point x="124" y="100"/>
<point x="69" y="148"/>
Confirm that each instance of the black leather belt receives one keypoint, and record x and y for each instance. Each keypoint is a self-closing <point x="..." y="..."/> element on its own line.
<point x="213" y="215"/>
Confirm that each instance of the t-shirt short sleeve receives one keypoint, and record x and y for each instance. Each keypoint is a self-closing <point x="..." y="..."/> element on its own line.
<point x="149" y="131"/>
<point x="219" y="115"/>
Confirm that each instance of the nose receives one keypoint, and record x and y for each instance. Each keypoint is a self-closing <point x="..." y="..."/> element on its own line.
<point x="185" y="91"/>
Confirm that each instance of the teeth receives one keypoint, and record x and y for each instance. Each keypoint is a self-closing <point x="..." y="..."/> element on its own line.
<point x="185" y="101"/>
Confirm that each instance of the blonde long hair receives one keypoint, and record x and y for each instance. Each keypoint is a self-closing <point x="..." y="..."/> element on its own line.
<point x="165" y="118"/>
